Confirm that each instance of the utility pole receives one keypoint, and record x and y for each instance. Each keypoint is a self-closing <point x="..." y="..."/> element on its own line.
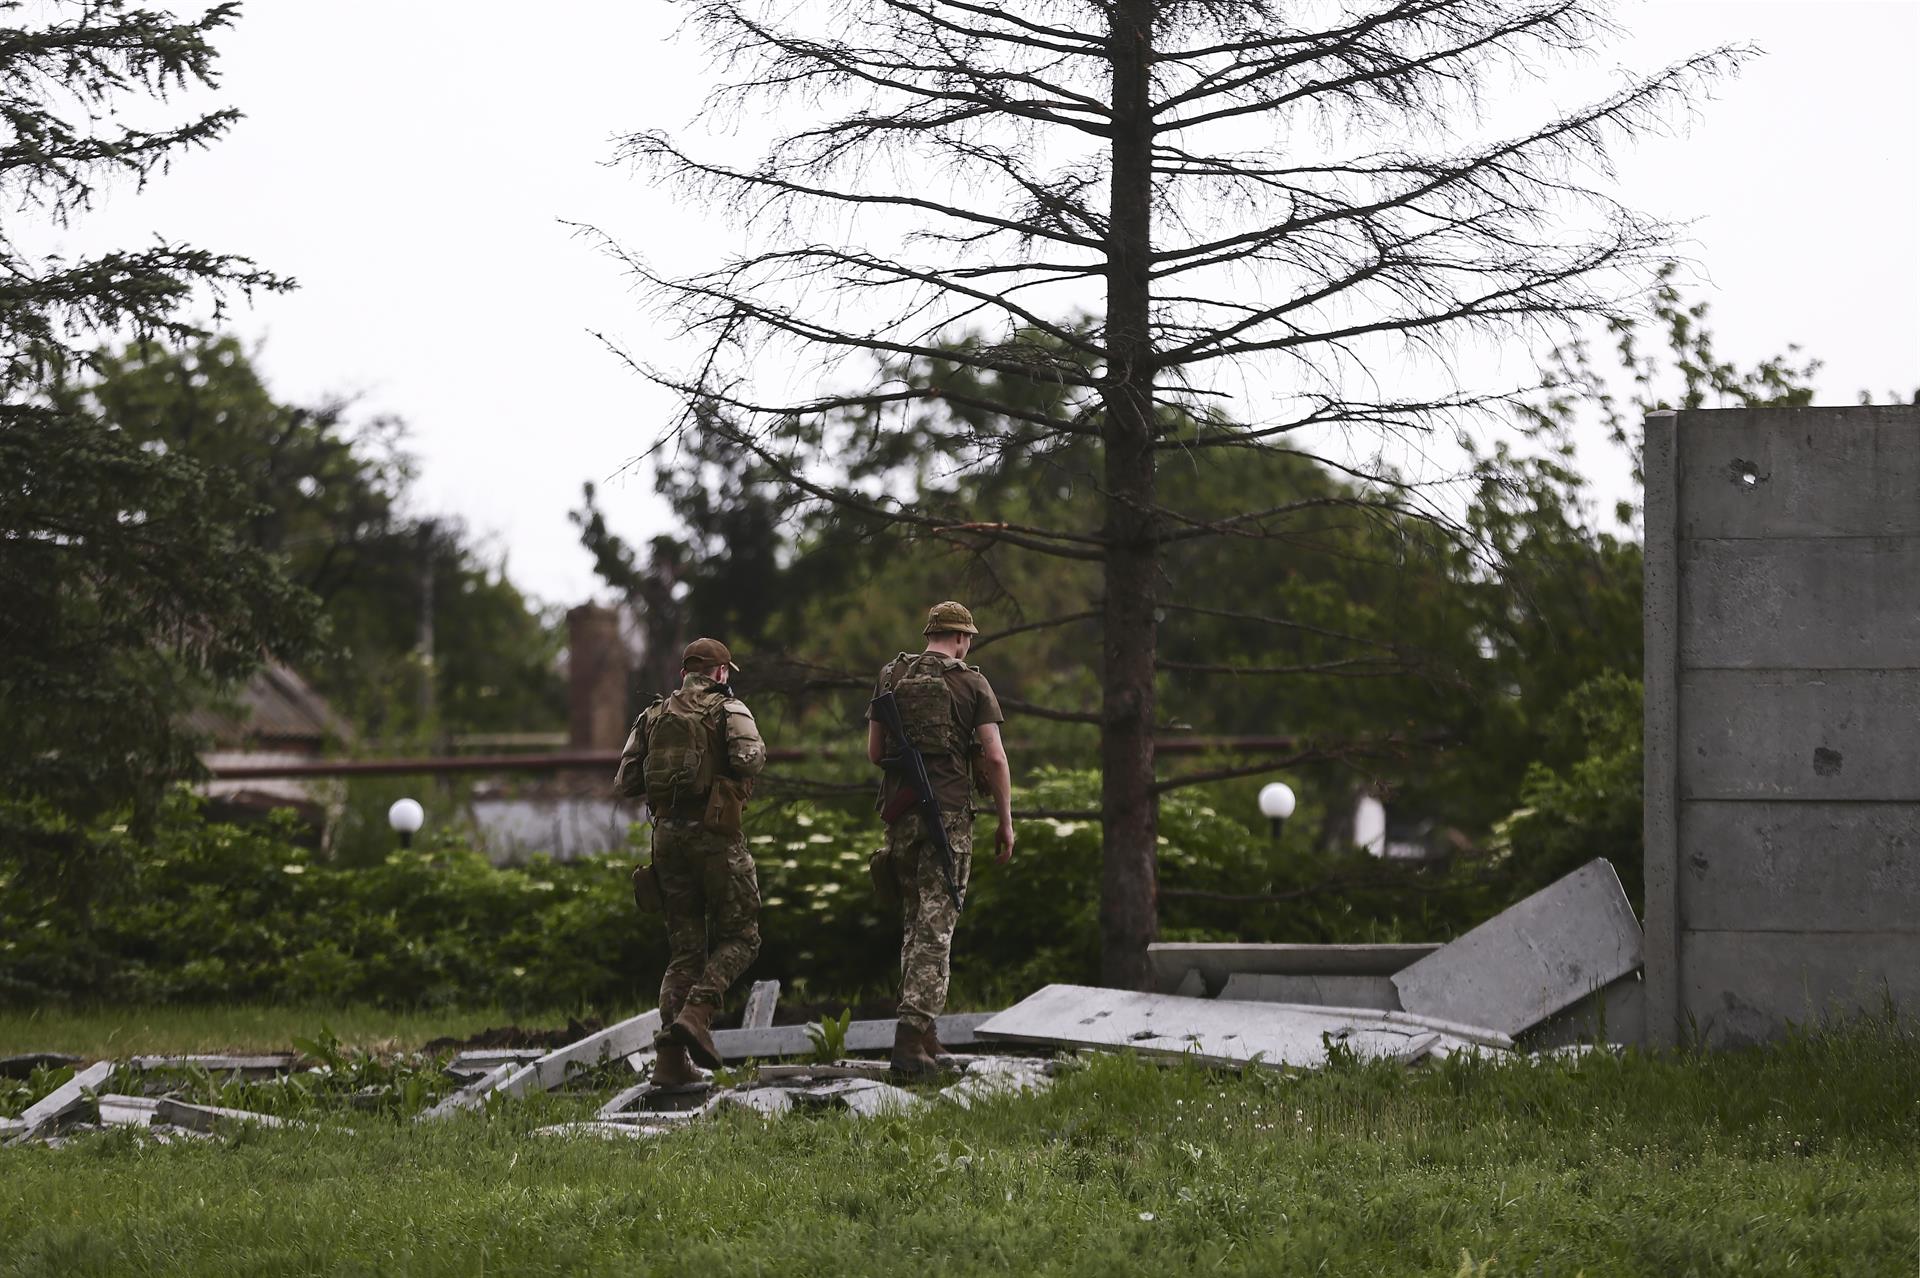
<point x="425" y="640"/>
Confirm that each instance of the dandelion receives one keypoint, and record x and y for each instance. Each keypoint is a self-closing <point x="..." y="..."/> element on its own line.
<point x="1146" y="1216"/>
<point x="292" y="868"/>
<point x="802" y="819"/>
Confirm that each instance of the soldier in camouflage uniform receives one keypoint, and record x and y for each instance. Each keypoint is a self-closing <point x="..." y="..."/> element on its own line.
<point x="694" y="755"/>
<point x="954" y="734"/>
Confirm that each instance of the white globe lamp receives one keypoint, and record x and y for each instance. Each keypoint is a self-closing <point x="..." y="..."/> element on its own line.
<point x="406" y="816"/>
<point x="1276" y="805"/>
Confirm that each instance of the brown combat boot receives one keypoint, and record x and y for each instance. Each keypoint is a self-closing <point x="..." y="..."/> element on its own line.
<point x="672" y="1069"/>
<point x="692" y="1031"/>
<point x="910" y="1056"/>
<point x="930" y="1039"/>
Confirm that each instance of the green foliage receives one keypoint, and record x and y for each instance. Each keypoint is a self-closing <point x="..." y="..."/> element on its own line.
<point x="114" y="625"/>
<point x="1789" y="1160"/>
<point x="829" y="1036"/>
<point x="324" y="497"/>
<point x="65" y="80"/>
<point x="128" y="591"/>
<point x="217" y="913"/>
<point x="1592" y="806"/>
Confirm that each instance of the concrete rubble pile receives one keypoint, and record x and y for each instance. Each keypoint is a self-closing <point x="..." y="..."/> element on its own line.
<point x="1556" y="971"/>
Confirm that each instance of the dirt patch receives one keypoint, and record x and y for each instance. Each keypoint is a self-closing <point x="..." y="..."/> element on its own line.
<point x="506" y="1036"/>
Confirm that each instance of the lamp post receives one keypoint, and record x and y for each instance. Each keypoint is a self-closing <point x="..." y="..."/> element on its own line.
<point x="1276" y="805"/>
<point x="406" y="816"/>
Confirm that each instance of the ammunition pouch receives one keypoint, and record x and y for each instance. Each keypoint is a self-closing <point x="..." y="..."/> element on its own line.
<point x="646" y="890"/>
<point x="886" y="888"/>
<point x="726" y="804"/>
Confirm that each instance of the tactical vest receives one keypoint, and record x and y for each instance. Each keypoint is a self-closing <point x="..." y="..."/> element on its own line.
<point x="686" y="745"/>
<point x="919" y="685"/>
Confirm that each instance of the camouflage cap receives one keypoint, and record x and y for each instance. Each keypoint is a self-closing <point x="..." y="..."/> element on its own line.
<point x="949" y="616"/>
<point x="705" y="654"/>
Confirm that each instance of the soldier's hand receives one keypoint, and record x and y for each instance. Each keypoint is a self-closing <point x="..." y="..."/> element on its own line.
<point x="1003" y="841"/>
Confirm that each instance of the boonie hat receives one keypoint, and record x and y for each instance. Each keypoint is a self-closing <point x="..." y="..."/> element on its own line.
<point x="705" y="654"/>
<point x="949" y="616"/>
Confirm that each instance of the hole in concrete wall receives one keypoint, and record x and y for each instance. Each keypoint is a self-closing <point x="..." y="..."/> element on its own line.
<point x="1826" y="762"/>
<point x="1745" y="473"/>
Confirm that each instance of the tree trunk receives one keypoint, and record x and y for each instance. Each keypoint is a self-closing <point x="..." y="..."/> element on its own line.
<point x="1129" y="879"/>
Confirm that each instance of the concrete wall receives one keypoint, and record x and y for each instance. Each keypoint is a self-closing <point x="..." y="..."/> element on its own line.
<point x="1782" y="717"/>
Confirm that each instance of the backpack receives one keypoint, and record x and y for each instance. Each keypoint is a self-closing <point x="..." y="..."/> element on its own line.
<point x="926" y="703"/>
<point x="683" y="751"/>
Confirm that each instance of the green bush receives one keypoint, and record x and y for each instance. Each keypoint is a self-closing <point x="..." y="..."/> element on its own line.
<point x="205" y="912"/>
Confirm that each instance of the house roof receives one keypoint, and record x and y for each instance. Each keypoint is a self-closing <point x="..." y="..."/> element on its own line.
<point x="274" y="706"/>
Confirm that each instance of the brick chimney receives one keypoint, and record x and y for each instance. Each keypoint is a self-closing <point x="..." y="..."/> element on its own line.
<point x="596" y="679"/>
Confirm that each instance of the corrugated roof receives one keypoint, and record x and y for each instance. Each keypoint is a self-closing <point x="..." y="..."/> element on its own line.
<point x="276" y="705"/>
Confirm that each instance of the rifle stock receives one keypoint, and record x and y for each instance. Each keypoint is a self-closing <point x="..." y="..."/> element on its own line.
<point x="911" y="767"/>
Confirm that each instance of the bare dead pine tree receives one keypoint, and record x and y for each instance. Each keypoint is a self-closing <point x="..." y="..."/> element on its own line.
<point x="1273" y="207"/>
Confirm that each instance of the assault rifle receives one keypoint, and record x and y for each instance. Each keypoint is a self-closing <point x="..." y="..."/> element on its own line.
<point x="908" y="765"/>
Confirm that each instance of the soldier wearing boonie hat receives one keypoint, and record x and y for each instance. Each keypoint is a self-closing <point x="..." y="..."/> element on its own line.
<point x="694" y="754"/>
<point x="950" y="712"/>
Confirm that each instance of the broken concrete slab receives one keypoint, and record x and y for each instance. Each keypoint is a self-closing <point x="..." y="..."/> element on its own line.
<point x="1616" y="1014"/>
<point x="989" y="1078"/>
<point x="551" y="1070"/>
<point x="879" y="1099"/>
<point x="487" y="1060"/>
<point x="839" y="1069"/>
<point x="245" y="1066"/>
<point x="662" y="1118"/>
<point x="602" y="1130"/>
<point x="118" y="1110"/>
<point x="623" y="1099"/>
<point x="1533" y="959"/>
<point x="207" y="1118"/>
<point x="955" y="1030"/>
<point x="1376" y="992"/>
<point x="769" y="1102"/>
<point x="473" y="1095"/>
<point x="865" y="1097"/>
<point x="1212" y="1032"/>
<point x="758" y="1013"/>
<point x="1170" y="961"/>
<point x="65" y="1100"/>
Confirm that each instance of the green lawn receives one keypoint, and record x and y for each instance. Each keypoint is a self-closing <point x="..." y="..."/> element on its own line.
<point x="1799" y="1159"/>
<point x="245" y="1027"/>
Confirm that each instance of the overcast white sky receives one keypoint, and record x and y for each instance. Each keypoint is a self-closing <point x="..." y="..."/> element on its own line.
<point x="411" y="164"/>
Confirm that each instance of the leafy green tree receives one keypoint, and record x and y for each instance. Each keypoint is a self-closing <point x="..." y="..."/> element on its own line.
<point x="326" y="497"/>
<point x="128" y="590"/>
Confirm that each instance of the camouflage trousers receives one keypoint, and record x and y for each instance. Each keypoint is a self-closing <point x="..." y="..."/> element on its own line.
<point x="927" y="913"/>
<point x="705" y="878"/>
